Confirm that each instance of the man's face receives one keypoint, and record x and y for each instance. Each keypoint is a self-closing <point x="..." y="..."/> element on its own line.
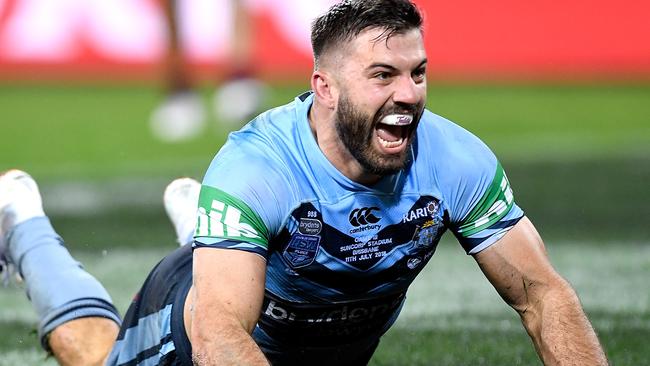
<point x="382" y="87"/>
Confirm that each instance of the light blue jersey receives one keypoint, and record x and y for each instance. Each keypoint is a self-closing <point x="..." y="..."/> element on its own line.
<point x="341" y="255"/>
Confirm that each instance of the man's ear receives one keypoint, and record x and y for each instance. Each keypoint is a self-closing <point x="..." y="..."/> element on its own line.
<point x="324" y="87"/>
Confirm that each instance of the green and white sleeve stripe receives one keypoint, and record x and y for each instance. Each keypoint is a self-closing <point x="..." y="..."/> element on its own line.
<point x="222" y="216"/>
<point x="492" y="207"/>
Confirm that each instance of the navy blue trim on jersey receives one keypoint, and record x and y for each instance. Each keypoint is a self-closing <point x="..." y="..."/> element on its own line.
<point x="505" y="224"/>
<point x="305" y="95"/>
<point x="497" y="225"/>
<point x="233" y="244"/>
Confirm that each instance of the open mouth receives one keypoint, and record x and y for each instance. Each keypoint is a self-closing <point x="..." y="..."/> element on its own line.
<point x="392" y="131"/>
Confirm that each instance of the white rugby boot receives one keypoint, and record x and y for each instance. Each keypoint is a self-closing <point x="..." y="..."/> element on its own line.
<point x="181" y="199"/>
<point x="20" y="201"/>
<point x="180" y="117"/>
<point x="238" y="100"/>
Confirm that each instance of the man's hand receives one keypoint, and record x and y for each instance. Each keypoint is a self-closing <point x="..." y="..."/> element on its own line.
<point x="519" y="269"/>
<point x="223" y="306"/>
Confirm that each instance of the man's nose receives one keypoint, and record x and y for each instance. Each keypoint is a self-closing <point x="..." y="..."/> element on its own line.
<point x="407" y="91"/>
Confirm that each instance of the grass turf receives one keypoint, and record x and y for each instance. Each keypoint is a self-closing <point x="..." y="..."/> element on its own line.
<point x="102" y="131"/>
<point x="452" y="315"/>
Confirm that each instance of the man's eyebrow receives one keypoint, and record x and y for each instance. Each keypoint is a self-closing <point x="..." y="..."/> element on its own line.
<point x="381" y="65"/>
<point x="391" y="67"/>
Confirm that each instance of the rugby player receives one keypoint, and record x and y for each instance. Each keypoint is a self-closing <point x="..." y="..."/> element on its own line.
<point x="313" y="220"/>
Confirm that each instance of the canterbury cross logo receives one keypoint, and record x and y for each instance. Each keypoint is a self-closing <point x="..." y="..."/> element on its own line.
<point x="363" y="216"/>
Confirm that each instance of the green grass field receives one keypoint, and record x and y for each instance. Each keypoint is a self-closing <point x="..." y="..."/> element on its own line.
<point x="578" y="157"/>
<point x="452" y="315"/>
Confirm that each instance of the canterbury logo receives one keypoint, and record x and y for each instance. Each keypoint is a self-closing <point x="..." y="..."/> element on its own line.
<point x="363" y="216"/>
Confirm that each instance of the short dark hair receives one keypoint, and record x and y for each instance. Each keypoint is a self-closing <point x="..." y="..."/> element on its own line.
<point x="347" y="19"/>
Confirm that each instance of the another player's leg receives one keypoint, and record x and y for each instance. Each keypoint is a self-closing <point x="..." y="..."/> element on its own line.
<point x="77" y="320"/>
<point x="181" y="115"/>
<point x="241" y="94"/>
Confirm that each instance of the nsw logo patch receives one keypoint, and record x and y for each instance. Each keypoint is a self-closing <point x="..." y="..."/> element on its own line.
<point x="301" y="250"/>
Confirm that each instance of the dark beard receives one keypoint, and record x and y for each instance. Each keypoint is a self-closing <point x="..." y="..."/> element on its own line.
<point x="356" y="130"/>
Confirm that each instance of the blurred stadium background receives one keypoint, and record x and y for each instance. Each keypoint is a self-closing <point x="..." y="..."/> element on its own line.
<point x="559" y="90"/>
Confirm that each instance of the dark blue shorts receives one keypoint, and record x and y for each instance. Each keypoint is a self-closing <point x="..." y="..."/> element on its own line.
<point x="153" y="331"/>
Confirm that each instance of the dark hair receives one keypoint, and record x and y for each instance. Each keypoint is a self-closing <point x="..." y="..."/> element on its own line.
<point x="347" y="19"/>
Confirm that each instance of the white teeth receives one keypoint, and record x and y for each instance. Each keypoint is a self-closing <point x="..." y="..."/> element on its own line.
<point x="397" y="119"/>
<point x="390" y="144"/>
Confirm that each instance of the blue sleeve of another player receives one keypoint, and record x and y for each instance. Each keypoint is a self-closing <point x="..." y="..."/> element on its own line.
<point x="478" y="196"/>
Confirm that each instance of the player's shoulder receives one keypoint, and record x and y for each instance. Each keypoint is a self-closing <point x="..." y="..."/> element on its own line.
<point x="247" y="163"/>
<point x="451" y="149"/>
<point x="256" y="158"/>
<point x="271" y="129"/>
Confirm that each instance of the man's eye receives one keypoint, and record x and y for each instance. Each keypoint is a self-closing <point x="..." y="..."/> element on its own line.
<point x="419" y="75"/>
<point x="382" y="75"/>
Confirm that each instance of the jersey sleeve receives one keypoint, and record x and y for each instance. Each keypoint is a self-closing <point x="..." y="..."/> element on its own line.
<point x="479" y="199"/>
<point x="243" y="198"/>
<point x="224" y="221"/>
<point x="486" y="219"/>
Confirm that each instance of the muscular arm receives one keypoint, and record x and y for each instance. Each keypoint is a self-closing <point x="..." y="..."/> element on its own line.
<point x="519" y="269"/>
<point x="224" y="305"/>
